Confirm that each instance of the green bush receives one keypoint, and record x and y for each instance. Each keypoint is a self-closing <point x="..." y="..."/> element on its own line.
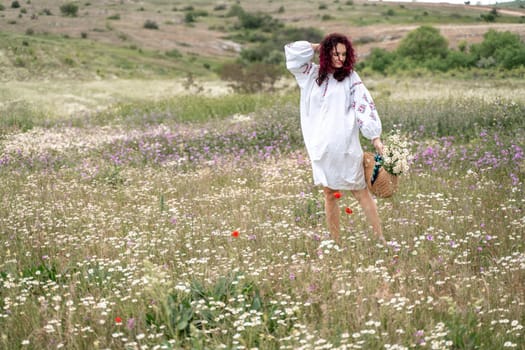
<point x="262" y="53"/>
<point x="149" y="24"/>
<point x="513" y="57"/>
<point x="174" y="53"/>
<point x="235" y="11"/>
<point x="269" y="34"/>
<point x="380" y="59"/>
<point x="505" y="48"/>
<point x="459" y="59"/>
<point x="423" y="43"/>
<point x="15" y="4"/>
<point x="270" y="48"/>
<point x="220" y="7"/>
<point x="258" y="21"/>
<point x="425" y="48"/>
<point x="288" y="34"/>
<point x="189" y="17"/>
<point x="69" y="9"/>
<point x="489" y="17"/>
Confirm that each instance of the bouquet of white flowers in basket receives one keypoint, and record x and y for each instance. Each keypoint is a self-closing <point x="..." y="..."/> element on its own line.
<point x="382" y="171"/>
<point x="396" y="155"/>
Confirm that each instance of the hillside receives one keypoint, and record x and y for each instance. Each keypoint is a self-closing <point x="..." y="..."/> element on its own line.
<point x="111" y="38"/>
<point x="59" y="66"/>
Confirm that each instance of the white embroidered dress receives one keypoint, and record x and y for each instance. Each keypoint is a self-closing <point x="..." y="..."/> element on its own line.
<point x="331" y="116"/>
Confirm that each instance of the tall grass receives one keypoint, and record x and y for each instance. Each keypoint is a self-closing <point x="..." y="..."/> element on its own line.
<point x="190" y="108"/>
<point x="120" y="234"/>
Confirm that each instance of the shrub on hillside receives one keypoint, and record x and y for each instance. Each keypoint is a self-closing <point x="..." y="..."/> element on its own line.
<point x="423" y="43"/>
<point x="269" y="34"/>
<point x="428" y="51"/>
<point x="15" y="4"/>
<point x="489" y="17"/>
<point x="512" y="58"/>
<point x="173" y="53"/>
<point x="270" y="48"/>
<point x="149" y="24"/>
<point x="380" y="59"/>
<point x="259" y="21"/>
<point x="458" y="59"/>
<point x="69" y="9"/>
<point x="501" y="46"/>
<point x="191" y="16"/>
<point x="235" y="11"/>
<point x="220" y="7"/>
<point x="288" y="34"/>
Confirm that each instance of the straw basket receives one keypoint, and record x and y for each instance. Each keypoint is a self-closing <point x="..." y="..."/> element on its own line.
<point x="385" y="184"/>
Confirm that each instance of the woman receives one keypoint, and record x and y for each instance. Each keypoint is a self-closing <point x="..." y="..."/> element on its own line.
<point x="334" y="107"/>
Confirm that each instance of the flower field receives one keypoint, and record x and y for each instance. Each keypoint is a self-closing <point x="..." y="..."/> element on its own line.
<point x="148" y="231"/>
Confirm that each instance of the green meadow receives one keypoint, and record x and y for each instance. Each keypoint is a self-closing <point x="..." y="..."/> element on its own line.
<point x="147" y="205"/>
<point x="118" y="234"/>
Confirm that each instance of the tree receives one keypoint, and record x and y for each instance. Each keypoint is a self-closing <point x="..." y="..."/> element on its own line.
<point x="252" y="78"/>
<point x="423" y="43"/>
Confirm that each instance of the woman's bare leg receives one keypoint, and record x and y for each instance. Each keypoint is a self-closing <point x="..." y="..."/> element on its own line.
<point x="370" y="208"/>
<point x="332" y="213"/>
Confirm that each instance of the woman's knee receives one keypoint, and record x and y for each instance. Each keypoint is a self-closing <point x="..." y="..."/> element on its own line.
<point x="329" y="194"/>
<point x="361" y="194"/>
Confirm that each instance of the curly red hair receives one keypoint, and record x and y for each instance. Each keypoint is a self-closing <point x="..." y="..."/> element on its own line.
<point x="325" y="58"/>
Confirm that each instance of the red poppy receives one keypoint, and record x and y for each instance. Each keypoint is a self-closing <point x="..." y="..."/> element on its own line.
<point x="235" y="234"/>
<point x="337" y="195"/>
<point x="118" y="320"/>
<point x="348" y="210"/>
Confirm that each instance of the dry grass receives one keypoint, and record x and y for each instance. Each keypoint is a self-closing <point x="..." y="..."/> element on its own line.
<point x="71" y="98"/>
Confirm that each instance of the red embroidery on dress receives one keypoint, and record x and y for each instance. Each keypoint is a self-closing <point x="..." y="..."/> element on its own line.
<point x="307" y="68"/>
<point x="362" y="108"/>
<point x="355" y="84"/>
<point x="352" y="88"/>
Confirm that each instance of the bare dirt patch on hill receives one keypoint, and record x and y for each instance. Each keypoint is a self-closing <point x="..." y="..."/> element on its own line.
<point x="208" y="37"/>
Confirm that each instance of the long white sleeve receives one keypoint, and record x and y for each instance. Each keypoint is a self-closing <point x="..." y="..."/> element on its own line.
<point x="299" y="57"/>
<point x="365" y="109"/>
<point x="298" y="54"/>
